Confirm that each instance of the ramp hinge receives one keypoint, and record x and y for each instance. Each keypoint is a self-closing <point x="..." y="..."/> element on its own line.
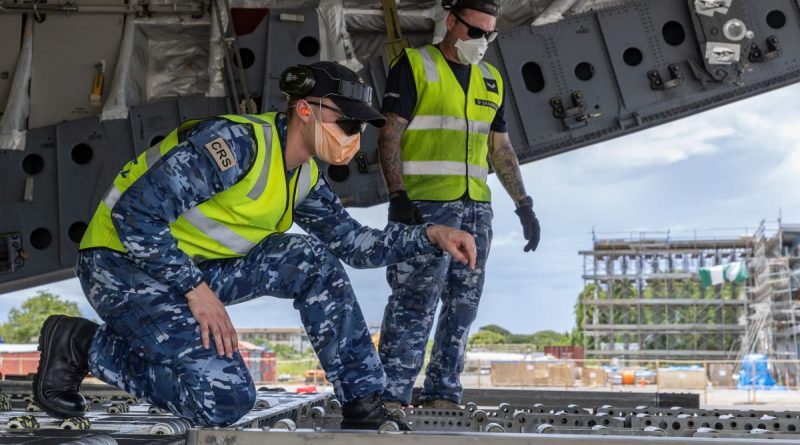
<point x="658" y="83"/>
<point x="363" y="165"/>
<point x="773" y="51"/>
<point x="577" y="109"/>
<point x="575" y="116"/>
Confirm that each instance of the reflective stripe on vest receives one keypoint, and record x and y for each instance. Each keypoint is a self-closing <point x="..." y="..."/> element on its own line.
<point x="487" y="73"/>
<point x="153" y="155"/>
<point x="448" y="123"/>
<point x="431" y="73"/>
<point x="445" y="168"/>
<point x="446" y="144"/>
<point x="233" y="221"/>
<point x="303" y="183"/>
<point x="218" y="231"/>
<point x="261" y="182"/>
<point x="112" y="196"/>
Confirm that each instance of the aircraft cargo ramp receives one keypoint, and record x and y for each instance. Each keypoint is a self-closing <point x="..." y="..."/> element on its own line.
<point x="493" y="416"/>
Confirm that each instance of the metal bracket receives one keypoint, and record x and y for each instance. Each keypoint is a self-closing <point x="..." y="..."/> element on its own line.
<point x="12" y="257"/>
<point x="363" y="165"/>
<point x="658" y="83"/>
<point x="578" y="106"/>
<point x="773" y="51"/>
<point x="574" y="116"/>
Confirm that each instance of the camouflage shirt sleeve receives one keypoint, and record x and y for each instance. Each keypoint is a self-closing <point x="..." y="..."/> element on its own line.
<point x="185" y="177"/>
<point x="323" y="216"/>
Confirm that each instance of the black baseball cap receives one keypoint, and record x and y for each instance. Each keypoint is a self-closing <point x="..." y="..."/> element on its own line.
<point x="347" y="90"/>
<point x="491" y="7"/>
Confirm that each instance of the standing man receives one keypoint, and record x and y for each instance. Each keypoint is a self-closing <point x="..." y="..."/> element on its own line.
<point x="444" y="110"/>
<point x="196" y="223"/>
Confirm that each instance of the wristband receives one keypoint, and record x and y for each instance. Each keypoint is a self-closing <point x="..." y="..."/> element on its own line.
<point x="526" y="201"/>
<point x="397" y="193"/>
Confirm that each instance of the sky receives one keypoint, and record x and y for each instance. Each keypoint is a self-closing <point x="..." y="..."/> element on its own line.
<point x="717" y="173"/>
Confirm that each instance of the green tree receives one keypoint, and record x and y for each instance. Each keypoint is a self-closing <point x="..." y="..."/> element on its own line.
<point x="549" y="338"/>
<point x="486" y="338"/>
<point x="576" y="337"/>
<point x="579" y="308"/>
<point x="497" y="329"/>
<point x="519" y="339"/>
<point x="24" y="323"/>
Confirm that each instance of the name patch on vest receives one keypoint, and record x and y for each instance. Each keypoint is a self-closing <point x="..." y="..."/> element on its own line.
<point x="221" y="153"/>
<point x="486" y="103"/>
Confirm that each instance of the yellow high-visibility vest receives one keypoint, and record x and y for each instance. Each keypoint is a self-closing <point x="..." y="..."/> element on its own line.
<point x="445" y="145"/>
<point x="233" y="221"/>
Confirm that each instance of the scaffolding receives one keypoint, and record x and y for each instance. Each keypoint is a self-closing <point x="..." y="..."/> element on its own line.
<point x="642" y="298"/>
<point x="773" y="309"/>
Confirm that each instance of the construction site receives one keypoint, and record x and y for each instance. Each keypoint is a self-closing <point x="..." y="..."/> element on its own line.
<point x="643" y="299"/>
<point x="652" y="317"/>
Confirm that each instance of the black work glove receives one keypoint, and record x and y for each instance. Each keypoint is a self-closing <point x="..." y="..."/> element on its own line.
<point x="530" y="224"/>
<point x="402" y="210"/>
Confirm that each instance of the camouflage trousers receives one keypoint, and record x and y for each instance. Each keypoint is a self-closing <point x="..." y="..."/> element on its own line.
<point x="150" y="344"/>
<point x="417" y="286"/>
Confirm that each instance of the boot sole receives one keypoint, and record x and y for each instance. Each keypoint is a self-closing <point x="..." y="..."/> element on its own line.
<point x="45" y="335"/>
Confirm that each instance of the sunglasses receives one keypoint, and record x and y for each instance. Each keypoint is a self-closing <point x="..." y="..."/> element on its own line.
<point x="350" y="126"/>
<point x="476" y="33"/>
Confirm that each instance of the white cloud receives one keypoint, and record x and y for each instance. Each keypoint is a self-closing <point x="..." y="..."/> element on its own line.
<point x="764" y="123"/>
<point x="668" y="144"/>
<point x="507" y="240"/>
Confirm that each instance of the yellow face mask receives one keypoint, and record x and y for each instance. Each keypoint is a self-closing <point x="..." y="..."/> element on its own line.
<point x="332" y="144"/>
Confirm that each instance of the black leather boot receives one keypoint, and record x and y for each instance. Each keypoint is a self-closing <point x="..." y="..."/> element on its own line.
<point x="64" y="362"/>
<point x="368" y="413"/>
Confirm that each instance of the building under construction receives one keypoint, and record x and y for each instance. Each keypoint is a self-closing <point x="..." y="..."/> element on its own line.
<point x="643" y="298"/>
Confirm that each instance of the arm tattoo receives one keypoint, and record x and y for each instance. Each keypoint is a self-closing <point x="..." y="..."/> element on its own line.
<point x="506" y="165"/>
<point x="389" y="151"/>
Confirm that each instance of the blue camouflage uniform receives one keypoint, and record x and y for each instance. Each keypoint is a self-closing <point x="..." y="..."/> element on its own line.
<point x="150" y="344"/>
<point x="418" y="285"/>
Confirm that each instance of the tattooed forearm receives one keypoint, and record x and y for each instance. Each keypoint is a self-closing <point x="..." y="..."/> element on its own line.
<point x="506" y="165"/>
<point x="389" y="151"/>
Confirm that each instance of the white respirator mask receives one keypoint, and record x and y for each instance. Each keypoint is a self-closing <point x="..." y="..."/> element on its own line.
<point x="471" y="52"/>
